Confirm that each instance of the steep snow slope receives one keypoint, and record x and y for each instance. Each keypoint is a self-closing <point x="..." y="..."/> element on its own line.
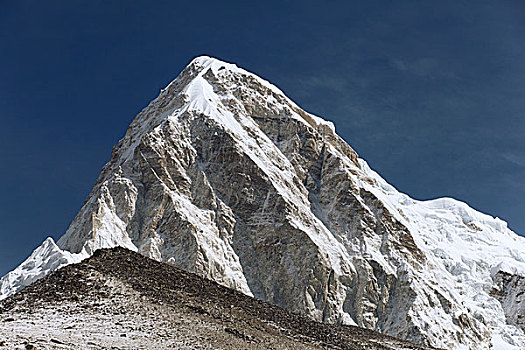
<point x="468" y="249"/>
<point x="223" y="175"/>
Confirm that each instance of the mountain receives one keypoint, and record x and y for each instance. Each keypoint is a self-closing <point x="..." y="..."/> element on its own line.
<point x="224" y="176"/>
<point x="121" y="299"/>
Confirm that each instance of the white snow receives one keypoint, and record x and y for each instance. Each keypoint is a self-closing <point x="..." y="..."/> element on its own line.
<point x="467" y="248"/>
<point x="44" y="259"/>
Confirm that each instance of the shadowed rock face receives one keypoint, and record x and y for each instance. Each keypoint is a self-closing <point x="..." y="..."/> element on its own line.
<point x="509" y="289"/>
<point x="224" y="176"/>
<point x="118" y="298"/>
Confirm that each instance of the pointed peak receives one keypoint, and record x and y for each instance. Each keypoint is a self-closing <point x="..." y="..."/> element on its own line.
<point x="49" y="241"/>
<point x="207" y="60"/>
<point x="48" y="245"/>
<point x="201" y="65"/>
<point x="203" y="62"/>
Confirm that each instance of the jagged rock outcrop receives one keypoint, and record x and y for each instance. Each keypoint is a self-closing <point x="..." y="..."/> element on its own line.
<point x="224" y="176"/>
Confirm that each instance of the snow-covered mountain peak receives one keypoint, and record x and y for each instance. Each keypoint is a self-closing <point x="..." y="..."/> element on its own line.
<point x="207" y="72"/>
<point x="225" y="176"/>
<point x="201" y="64"/>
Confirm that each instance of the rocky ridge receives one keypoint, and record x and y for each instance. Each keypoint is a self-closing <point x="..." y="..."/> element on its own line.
<point x="120" y="299"/>
<point x="224" y="176"/>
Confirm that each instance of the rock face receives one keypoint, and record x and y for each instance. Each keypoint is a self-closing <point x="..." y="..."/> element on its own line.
<point x="509" y="289"/>
<point x="224" y="176"/>
<point x="121" y="299"/>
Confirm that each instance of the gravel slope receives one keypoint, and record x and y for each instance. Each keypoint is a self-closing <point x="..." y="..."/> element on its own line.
<point x="118" y="299"/>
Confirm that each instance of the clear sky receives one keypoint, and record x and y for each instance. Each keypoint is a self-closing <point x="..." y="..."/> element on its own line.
<point x="430" y="93"/>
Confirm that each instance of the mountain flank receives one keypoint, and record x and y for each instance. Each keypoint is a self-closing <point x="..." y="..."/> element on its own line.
<point x="120" y="299"/>
<point x="224" y="176"/>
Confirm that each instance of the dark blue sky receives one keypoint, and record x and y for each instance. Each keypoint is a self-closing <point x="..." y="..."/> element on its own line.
<point x="431" y="94"/>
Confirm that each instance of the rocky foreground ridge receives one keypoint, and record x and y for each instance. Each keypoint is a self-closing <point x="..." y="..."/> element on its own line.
<point x="224" y="176"/>
<point x="120" y="299"/>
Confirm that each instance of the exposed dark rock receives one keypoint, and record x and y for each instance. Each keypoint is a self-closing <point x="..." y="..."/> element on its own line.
<point x="509" y="289"/>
